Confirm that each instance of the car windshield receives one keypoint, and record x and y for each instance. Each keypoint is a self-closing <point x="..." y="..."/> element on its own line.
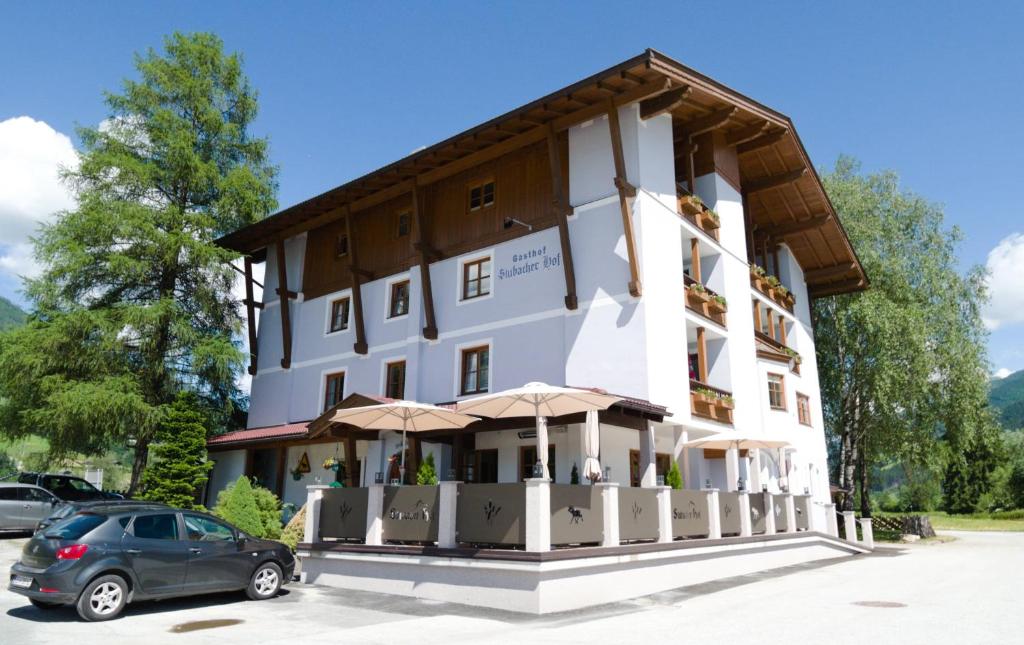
<point x="75" y="527"/>
<point x="64" y="511"/>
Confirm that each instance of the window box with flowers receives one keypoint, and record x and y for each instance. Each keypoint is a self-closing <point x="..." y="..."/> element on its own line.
<point x="717" y="305"/>
<point x="697" y="296"/>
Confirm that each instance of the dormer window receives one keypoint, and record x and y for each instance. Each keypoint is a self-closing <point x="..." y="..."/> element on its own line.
<point x="341" y="246"/>
<point x="404" y="224"/>
<point x="481" y="195"/>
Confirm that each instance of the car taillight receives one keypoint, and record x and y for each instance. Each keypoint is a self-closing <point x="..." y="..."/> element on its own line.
<point x="72" y="552"/>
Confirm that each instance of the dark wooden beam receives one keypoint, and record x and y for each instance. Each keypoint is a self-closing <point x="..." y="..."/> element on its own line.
<point x="705" y="123"/>
<point x="351" y="461"/>
<point x="792" y="228"/>
<point x="773" y="181"/>
<point x="286" y="320"/>
<point x="763" y="141"/>
<point x="422" y="248"/>
<point x="833" y="288"/>
<point x="250" y="311"/>
<point x="743" y="135"/>
<point x="825" y="273"/>
<point x="561" y="216"/>
<point x="665" y="102"/>
<point x="626" y="209"/>
<point x="360" y="346"/>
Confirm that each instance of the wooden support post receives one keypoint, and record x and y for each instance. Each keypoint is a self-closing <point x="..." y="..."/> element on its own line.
<point x="775" y="261"/>
<point x="458" y="454"/>
<point x="351" y="461"/>
<point x="413" y="457"/>
<point x="561" y="216"/>
<point x="757" y="316"/>
<point x="764" y="256"/>
<point x="282" y="465"/>
<point x="691" y="168"/>
<point x="782" y="330"/>
<point x="695" y="260"/>
<point x="360" y="346"/>
<point x="286" y="320"/>
<point x="420" y="244"/>
<point x="250" y="312"/>
<point x="702" y="356"/>
<point x="626" y="190"/>
<point x="771" y="322"/>
<point x="748" y="224"/>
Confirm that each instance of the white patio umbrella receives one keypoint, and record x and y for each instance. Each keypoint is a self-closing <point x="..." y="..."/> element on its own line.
<point x="739" y="441"/>
<point x="592" y="447"/>
<point x="540" y="401"/>
<point x="407" y="416"/>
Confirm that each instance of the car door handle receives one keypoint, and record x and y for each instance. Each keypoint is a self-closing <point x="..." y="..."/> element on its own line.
<point x="133" y="551"/>
<point x="195" y="550"/>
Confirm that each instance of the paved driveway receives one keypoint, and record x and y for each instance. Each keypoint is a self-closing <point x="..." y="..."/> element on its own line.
<point x="965" y="591"/>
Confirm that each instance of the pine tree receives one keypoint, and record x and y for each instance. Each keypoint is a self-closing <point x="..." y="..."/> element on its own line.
<point x="180" y="466"/>
<point x="237" y="505"/>
<point x="674" y="478"/>
<point x="427" y="474"/>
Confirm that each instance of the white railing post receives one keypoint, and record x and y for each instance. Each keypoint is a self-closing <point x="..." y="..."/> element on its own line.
<point x="610" y="501"/>
<point x="538" y="514"/>
<point x="714" y="516"/>
<point x="868" y="532"/>
<point x="314" y="496"/>
<point x="447" y="502"/>
<point x="769" y="513"/>
<point x="790" y="513"/>
<point x="850" y="524"/>
<point x="745" y="528"/>
<point x="375" y="514"/>
<point x="664" y="513"/>
<point x="831" y="523"/>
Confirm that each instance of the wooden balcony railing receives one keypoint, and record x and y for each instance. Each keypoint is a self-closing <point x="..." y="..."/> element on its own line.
<point x="704" y="301"/>
<point x="770" y="287"/>
<point x="692" y="208"/>
<point x="781" y="350"/>
<point x="711" y="402"/>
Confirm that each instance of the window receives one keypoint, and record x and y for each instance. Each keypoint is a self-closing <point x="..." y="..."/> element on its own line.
<point x="476" y="278"/>
<point x="803" y="408"/>
<point x="399" y="299"/>
<point x="395" y="380"/>
<point x="474" y="370"/>
<point x="339" y="315"/>
<point x="9" y="493"/>
<point x="486" y="466"/>
<point x="404" y="224"/>
<point x="662" y="464"/>
<point x="528" y="458"/>
<point x="334" y="390"/>
<point x="156" y="527"/>
<point x="76" y="526"/>
<point x="203" y="529"/>
<point x="481" y="196"/>
<point x="36" y="495"/>
<point x="341" y="247"/>
<point x="776" y="392"/>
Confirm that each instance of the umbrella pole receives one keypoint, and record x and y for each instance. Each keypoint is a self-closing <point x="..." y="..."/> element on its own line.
<point x="541" y="447"/>
<point x="401" y="463"/>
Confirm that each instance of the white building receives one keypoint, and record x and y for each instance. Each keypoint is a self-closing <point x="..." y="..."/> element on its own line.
<point x="557" y="243"/>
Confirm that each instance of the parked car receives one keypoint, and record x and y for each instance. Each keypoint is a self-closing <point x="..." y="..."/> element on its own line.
<point x="67" y="487"/>
<point x="99" y="560"/>
<point x="23" y="506"/>
<point x="67" y="509"/>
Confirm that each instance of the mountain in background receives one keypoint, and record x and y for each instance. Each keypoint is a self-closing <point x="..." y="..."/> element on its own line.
<point x="1007" y="396"/>
<point x="10" y="314"/>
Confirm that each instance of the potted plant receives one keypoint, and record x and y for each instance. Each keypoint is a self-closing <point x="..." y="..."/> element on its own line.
<point x="704" y="395"/>
<point x="332" y="463"/>
<point x="691" y="205"/>
<point x="793" y="355"/>
<point x="709" y="220"/>
<point x="726" y="402"/>
<point x="756" y="276"/>
<point x="296" y="474"/>
<point x="697" y="294"/>
<point x="717" y="304"/>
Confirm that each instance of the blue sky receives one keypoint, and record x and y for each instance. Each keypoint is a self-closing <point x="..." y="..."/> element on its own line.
<point x="930" y="89"/>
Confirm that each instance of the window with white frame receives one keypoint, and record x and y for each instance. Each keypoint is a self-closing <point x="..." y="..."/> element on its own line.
<point x="339" y="315"/>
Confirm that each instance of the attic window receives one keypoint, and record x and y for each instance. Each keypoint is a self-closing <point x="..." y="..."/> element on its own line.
<point x="341" y="248"/>
<point x="481" y="196"/>
<point x="404" y="224"/>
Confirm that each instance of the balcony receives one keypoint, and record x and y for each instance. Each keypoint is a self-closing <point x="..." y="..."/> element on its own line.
<point x="710" y="402"/>
<point x="693" y="209"/>
<point x="704" y="301"/>
<point x="770" y="287"/>
<point x="770" y="349"/>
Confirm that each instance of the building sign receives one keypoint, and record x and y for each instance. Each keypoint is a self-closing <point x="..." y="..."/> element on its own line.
<point x="529" y="261"/>
<point x="689" y="513"/>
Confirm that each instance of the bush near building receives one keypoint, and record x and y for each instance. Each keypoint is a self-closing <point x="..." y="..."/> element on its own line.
<point x="427" y="473"/>
<point x="253" y="509"/>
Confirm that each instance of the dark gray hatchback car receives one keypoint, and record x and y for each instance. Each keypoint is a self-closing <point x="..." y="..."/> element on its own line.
<point x="101" y="560"/>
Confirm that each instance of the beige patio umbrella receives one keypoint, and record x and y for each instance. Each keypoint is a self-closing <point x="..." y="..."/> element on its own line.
<point x="740" y="441"/>
<point x="407" y="416"/>
<point x="540" y="401"/>
<point x="592" y="447"/>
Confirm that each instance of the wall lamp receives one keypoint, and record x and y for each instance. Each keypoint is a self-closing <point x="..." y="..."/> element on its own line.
<point x="511" y="221"/>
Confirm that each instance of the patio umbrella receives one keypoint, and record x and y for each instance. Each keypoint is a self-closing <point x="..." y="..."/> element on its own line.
<point x="592" y="447"/>
<point x="739" y="441"/>
<point x="407" y="416"/>
<point x="540" y="401"/>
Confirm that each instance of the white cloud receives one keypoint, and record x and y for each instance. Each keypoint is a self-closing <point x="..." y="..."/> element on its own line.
<point x="31" y="155"/>
<point x="1002" y="372"/>
<point x="1005" y="265"/>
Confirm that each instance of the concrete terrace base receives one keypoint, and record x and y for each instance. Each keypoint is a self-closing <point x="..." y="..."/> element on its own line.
<point x="542" y="583"/>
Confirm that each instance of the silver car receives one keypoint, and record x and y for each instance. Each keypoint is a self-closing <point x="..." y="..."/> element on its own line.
<point x="23" y="506"/>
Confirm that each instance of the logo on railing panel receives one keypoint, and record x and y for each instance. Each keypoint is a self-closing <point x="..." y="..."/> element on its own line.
<point x="420" y="512"/>
<point x="575" y="515"/>
<point x="692" y="513"/>
<point x="345" y="511"/>
<point x="637" y="510"/>
<point x="491" y="511"/>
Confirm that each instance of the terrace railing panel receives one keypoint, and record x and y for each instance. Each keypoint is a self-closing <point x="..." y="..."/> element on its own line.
<point x="802" y="505"/>
<point x="757" y="513"/>
<point x="577" y="514"/>
<point x="410" y="513"/>
<point x="690" y="514"/>
<point x="343" y="513"/>
<point x="729" y="513"/>
<point x="491" y="514"/>
<point x="638" y="514"/>
<point x="781" y="513"/>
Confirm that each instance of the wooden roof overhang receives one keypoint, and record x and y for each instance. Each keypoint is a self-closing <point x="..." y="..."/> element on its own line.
<point x="785" y="197"/>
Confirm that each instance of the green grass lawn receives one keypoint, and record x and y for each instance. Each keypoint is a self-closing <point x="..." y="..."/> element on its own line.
<point x="979" y="522"/>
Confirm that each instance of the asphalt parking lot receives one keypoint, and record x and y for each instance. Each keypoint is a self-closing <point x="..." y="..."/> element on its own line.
<point x="965" y="591"/>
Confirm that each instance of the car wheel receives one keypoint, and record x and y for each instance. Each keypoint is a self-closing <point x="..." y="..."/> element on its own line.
<point x="42" y="604"/>
<point x="265" y="582"/>
<point x="103" y="598"/>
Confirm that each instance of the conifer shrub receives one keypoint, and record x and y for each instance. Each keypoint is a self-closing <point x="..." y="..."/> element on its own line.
<point x="674" y="478"/>
<point x="237" y="505"/>
<point x="427" y="473"/>
<point x="179" y="469"/>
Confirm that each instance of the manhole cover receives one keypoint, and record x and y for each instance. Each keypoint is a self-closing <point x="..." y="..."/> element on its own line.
<point x="196" y="625"/>
<point x="878" y="603"/>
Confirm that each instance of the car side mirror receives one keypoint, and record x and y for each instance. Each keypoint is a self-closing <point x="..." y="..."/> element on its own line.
<point x="54" y="501"/>
<point x="240" y="540"/>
